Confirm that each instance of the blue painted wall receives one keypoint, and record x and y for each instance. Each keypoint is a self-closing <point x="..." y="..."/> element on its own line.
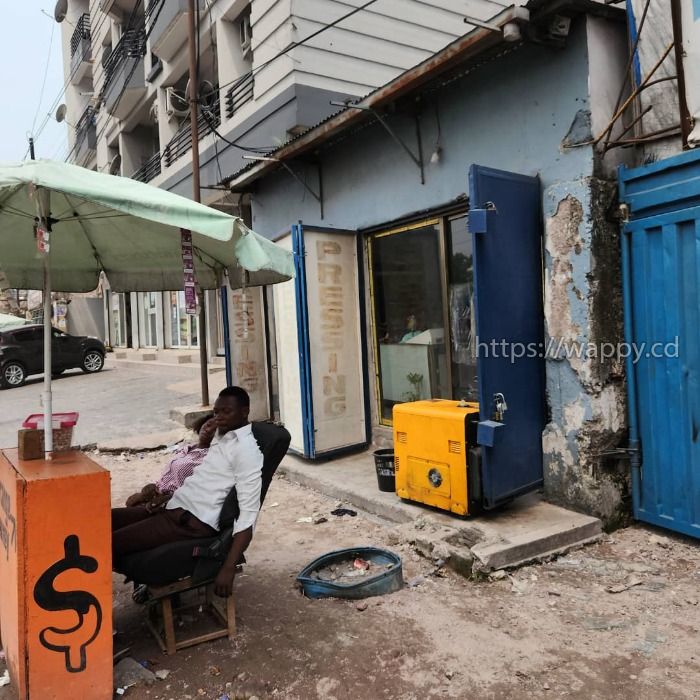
<point x="511" y="113"/>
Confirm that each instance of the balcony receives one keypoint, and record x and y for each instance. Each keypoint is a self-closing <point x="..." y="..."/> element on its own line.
<point x="167" y="22"/>
<point x="149" y="170"/>
<point x="125" y="78"/>
<point x="80" y="50"/>
<point x="118" y="9"/>
<point x="85" y="136"/>
<point x="181" y="143"/>
<point x="240" y="93"/>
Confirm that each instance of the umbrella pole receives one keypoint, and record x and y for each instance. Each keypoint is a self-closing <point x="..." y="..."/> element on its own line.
<point x="197" y="193"/>
<point x="46" y="396"/>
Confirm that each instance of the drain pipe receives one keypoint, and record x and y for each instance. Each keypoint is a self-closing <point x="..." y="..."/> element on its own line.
<point x="634" y="448"/>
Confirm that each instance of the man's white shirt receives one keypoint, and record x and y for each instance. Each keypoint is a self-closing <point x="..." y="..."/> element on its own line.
<point x="234" y="459"/>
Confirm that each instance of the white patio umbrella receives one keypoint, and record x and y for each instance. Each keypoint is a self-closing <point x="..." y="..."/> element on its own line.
<point x="129" y="230"/>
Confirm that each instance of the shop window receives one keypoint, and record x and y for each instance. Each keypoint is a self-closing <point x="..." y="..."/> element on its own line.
<point x="183" y="327"/>
<point x="422" y="312"/>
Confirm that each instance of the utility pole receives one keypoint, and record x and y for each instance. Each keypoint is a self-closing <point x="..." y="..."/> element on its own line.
<point x="196" y="191"/>
<point x="31" y="148"/>
<point x="686" y="121"/>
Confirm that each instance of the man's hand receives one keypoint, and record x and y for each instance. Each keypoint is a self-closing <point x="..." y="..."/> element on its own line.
<point x="223" y="583"/>
<point x="147" y="493"/>
<point x="207" y="432"/>
<point x="136" y="499"/>
<point x="157" y="502"/>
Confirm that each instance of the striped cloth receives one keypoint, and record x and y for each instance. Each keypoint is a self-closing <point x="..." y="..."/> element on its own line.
<point x="180" y="467"/>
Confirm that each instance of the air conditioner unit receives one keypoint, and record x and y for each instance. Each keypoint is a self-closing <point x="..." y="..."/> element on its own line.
<point x="176" y="104"/>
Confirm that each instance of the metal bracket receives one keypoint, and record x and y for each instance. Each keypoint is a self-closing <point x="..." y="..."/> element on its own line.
<point x="633" y="452"/>
<point x="417" y="159"/>
<point x="481" y="219"/>
<point x="318" y="197"/>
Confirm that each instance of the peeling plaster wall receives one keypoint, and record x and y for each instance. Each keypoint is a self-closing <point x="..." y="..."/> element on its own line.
<point x="583" y="318"/>
<point x="514" y="113"/>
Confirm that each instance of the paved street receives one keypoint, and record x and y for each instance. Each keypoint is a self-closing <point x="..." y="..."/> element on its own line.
<point x="119" y="402"/>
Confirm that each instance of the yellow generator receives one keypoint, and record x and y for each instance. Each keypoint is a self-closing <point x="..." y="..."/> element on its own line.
<point x="433" y="440"/>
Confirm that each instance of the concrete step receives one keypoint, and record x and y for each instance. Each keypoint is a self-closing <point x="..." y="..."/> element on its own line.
<point x="212" y="369"/>
<point x="526" y="530"/>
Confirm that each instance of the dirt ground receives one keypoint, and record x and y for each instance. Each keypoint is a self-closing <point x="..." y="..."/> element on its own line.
<point x="560" y="629"/>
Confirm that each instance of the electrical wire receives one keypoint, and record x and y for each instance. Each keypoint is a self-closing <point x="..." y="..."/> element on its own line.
<point x="126" y="81"/>
<point x="93" y="33"/>
<point x="46" y="72"/>
<point x="57" y="99"/>
<point x="293" y="45"/>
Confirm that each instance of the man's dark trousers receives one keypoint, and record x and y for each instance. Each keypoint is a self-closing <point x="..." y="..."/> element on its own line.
<point x="136" y="530"/>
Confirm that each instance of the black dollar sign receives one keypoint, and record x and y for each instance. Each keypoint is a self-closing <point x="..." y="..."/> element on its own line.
<point x="72" y="641"/>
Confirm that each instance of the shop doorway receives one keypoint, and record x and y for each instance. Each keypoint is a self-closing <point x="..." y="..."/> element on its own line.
<point x="422" y="299"/>
<point x="149" y="326"/>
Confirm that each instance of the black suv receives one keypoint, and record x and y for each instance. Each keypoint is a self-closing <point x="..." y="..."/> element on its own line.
<point x="22" y="354"/>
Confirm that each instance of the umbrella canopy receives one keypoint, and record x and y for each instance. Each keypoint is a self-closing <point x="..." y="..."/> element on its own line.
<point x="10" y="321"/>
<point x="128" y="229"/>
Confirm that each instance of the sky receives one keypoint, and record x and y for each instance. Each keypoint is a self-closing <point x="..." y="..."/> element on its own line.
<point x="25" y="39"/>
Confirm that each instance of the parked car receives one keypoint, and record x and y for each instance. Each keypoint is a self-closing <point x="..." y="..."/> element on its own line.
<point x="22" y="354"/>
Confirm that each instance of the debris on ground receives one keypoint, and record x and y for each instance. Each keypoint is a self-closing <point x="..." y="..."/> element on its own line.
<point x="624" y="586"/>
<point x="415" y="581"/>
<point x="340" y="512"/>
<point x="346" y="572"/>
<point x="361" y="606"/>
<point x="5" y="679"/>
<point x="129" y="672"/>
<point x="162" y="674"/>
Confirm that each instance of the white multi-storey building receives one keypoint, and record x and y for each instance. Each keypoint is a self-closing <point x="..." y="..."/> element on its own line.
<point x="126" y="67"/>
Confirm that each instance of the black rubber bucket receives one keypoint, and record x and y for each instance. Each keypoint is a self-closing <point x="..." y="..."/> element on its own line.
<point x="386" y="476"/>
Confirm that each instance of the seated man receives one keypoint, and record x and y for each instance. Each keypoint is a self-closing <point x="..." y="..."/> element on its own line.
<point x="183" y="463"/>
<point x="234" y="459"/>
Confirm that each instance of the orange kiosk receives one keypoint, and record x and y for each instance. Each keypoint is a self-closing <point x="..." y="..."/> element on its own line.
<point x="56" y="576"/>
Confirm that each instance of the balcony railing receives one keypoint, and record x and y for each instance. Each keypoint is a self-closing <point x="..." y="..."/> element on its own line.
<point x="80" y="33"/>
<point x="131" y="45"/>
<point x="82" y="128"/>
<point x="181" y="143"/>
<point x="149" y="170"/>
<point x="240" y="93"/>
<point x="153" y="7"/>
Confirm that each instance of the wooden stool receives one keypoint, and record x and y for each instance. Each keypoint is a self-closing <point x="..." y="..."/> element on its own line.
<point x="161" y="597"/>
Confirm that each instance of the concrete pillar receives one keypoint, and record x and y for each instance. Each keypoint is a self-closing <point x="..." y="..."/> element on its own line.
<point x="583" y="317"/>
<point x="135" y="320"/>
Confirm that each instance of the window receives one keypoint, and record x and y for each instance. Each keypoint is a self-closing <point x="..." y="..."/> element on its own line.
<point x="422" y="312"/>
<point x="31" y="335"/>
<point x="244" y="31"/>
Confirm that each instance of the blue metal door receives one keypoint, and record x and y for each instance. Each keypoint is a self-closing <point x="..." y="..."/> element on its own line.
<point x="661" y="277"/>
<point x="302" y="308"/>
<point x="505" y="221"/>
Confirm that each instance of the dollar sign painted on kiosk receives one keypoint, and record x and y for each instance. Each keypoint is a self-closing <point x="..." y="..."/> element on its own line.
<point x="72" y="641"/>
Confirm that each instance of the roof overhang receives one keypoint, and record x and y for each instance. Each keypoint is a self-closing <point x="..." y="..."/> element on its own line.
<point x="468" y="47"/>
